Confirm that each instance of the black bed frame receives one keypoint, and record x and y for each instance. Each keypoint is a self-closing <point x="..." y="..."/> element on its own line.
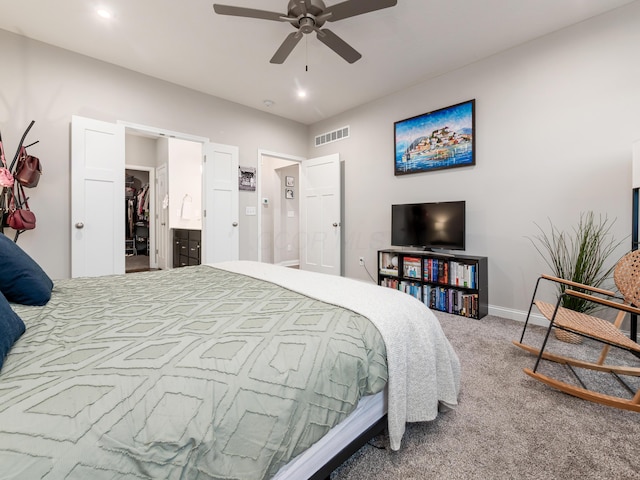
<point x="324" y="473"/>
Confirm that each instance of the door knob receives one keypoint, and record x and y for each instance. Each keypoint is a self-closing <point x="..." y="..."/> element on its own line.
<point x="235" y="224"/>
<point x="336" y="224"/>
<point x="79" y="225"/>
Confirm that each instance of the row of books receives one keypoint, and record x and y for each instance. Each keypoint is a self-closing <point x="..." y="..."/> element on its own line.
<point x="390" y="282"/>
<point x="445" y="299"/>
<point x="412" y="288"/>
<point x="450" y="272"/>
<point x="451" y="300"/>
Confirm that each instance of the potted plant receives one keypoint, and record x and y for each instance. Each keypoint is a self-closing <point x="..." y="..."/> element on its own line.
<point x="580" y="256"/>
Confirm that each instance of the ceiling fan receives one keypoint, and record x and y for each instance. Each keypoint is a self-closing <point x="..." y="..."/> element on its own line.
<point x="308" y="16"/>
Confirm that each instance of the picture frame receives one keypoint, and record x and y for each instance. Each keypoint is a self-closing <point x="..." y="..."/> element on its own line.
<point x="247" y="178"/>
<point x="289" y="181"/>
<point x="288" y="193"/>
<point x="437" y="140"/>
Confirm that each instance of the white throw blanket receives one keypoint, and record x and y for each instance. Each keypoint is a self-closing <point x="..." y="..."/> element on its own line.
<point x="423" y="368"/>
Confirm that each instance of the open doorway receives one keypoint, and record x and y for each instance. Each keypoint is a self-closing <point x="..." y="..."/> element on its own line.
<point x="313" y="201"/>
<point x="156" y="208"/>
<point x="139" y="200"/>
<point x="279" y="217"/>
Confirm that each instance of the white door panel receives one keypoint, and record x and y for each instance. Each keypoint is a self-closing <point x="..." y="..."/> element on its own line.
<point x="320" y="221"/>
<point x="221" y="225"/>
<point x="97" y="192"/>
<point x="162" y="215"/>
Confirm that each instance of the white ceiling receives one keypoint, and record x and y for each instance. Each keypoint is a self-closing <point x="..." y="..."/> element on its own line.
<point x="185" y="42"/>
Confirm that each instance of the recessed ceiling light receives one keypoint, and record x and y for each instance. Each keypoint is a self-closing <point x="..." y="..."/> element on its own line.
<point x="302" y="94"/>
<point x="268" y="103"/>
<point x="104" y="13"/>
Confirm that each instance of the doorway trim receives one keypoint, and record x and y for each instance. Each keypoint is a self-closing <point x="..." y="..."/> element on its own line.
<point x="262" y="153"/>
<point x="160" y="132"/>
<point x="156" y="132"/>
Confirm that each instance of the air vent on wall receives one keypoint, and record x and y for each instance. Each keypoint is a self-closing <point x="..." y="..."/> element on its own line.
<point x="333" y="136"/>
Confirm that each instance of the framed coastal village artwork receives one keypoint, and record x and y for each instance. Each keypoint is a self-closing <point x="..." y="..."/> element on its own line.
<point x="440" y="139"/>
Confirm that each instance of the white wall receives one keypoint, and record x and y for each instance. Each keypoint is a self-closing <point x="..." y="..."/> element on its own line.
<point x="185" y="184"/>
<point x="556" y="118"/>
<point x="275" y="230"/>
<point x="555" y="121"/>
<point x="49" y="85"/>
<point x="287" y="240"/>
<point x="140" y="151"/>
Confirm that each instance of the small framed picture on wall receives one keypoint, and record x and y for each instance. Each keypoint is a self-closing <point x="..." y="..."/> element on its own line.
<point x="288" y="193"/>
<point x="289" y="181"/>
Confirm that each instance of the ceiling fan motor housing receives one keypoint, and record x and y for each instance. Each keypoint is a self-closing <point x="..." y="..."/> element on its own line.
<point x="307" y="20"/>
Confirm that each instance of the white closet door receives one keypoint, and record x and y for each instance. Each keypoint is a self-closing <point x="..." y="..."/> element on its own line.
<point x="97" y="198"/>
<point x="320" y="215"/>
<point x="221" y="224"/>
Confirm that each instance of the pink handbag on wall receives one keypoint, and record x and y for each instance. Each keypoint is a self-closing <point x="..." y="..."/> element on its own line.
<point x="6" y="179"/>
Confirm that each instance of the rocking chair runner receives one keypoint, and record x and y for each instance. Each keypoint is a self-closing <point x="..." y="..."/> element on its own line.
<point x="627" y="279"/>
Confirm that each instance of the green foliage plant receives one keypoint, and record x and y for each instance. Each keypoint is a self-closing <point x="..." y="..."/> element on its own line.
<point x="580" y="256"/>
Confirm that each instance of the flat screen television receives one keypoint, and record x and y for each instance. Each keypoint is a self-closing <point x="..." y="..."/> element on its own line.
<point x="427" y="226"/>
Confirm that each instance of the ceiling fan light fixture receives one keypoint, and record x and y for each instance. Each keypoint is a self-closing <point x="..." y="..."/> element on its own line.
<point x="104" y="13"/>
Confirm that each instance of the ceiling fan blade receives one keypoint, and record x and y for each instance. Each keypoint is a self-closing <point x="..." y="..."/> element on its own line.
<point x="338" y="45"/>
<point x="248" y="12"/>
<point x="351" y="8"/>
<point x="287" y="46"/>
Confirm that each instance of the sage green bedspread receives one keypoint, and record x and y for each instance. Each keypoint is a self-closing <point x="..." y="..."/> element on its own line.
<point x="192" y="373"/>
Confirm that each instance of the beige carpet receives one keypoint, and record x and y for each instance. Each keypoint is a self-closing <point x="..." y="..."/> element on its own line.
<point x="507" y="425"/>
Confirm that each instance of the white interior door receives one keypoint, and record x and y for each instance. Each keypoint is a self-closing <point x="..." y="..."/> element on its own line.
<point x="220" y="191"/>
<point x="320" y="215"/>
<point x="162" y="217"/>
<point x="97" y="198"/>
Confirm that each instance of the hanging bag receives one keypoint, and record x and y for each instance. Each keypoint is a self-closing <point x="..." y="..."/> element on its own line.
<point x="20" y="217"/>
<point x="28" y="169"/>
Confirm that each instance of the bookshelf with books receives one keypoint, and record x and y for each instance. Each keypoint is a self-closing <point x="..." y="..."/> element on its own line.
<point x="450" y="283"/>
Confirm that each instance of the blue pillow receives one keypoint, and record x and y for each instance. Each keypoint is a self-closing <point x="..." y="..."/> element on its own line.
<point x="21" y="279"/>
<point x="11" y="328"/>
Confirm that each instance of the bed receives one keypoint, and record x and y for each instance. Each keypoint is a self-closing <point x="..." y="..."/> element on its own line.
<point x="238" y="370"/>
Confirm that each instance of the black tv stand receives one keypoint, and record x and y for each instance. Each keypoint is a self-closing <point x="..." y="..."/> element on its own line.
<point x="440" y="253"/>
<point x="443" y="281"/>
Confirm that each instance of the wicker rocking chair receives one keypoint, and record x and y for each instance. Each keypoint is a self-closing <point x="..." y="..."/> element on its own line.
<point x="627" y="280"/>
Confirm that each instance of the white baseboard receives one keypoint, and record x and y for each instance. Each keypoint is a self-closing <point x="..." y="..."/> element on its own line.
<point x="290" y="263"/>
<point x="518" y="315"/>
<point x="521" y="316"/>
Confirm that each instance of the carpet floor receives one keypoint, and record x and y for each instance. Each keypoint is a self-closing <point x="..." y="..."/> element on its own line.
<point x="508" y="425"/>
